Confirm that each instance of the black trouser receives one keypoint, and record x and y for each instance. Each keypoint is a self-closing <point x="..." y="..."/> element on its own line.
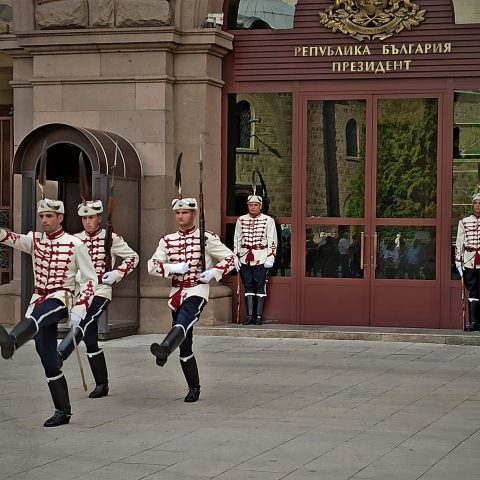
<point x="89" y="324"/>
<point x="185" y="317"/>
<point x="47" y="315"/>
<point x="254" y="279"/>
<point x="471" y="280"/>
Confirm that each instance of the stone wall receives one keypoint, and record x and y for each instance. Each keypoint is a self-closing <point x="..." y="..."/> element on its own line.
<point x="61" y="14"/>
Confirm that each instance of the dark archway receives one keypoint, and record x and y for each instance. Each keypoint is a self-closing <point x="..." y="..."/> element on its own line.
<point x="104" y="162"/>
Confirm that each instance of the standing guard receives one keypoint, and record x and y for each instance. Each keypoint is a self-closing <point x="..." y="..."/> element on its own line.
<point x="255" y="244"/>
<point x="179" y="257"/>
<point x="64" y="276"/>
<point x="467" y="261"/>
<point x="94" y="238"/>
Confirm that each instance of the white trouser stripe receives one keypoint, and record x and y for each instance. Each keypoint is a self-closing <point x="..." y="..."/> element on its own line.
<point x="94" y="353"/>
<point x="45" y="315"/>
<point x="186" y="359"/>
<point x="51" y="379"/>
<point x="99" y="311"/>
<point x="196" y="317"/>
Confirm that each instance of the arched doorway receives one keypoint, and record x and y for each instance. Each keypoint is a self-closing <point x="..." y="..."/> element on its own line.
<point x="104" y="163"/>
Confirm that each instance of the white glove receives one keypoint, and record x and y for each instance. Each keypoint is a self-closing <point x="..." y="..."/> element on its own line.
<point x="460" y="270"/>
<point x="268" y="264"/>
<point x="179" y="268"/>
<point x="74" y="320"/>
<point x="206" y="276"/>
<point x="109" y="278"/>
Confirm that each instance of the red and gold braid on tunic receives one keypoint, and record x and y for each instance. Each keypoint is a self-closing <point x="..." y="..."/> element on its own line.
<point x="95" y="244"/>
<point x="467" y="248"/>
<point x="61" y="268"/>
<point x="185" y="247"/>
<point x="255" y="240"/>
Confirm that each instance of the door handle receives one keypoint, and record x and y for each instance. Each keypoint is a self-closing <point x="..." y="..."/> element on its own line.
<point x="362" y="250"/>
<point x="375" y="247"/>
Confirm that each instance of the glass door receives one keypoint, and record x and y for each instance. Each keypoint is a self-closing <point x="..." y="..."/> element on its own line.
<point x="405" y="218"/>
<point x="335" y="283"/>
<point x="370" y="216"/>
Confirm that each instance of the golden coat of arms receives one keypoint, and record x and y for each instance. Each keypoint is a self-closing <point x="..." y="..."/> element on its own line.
<point x="371" y="19"/>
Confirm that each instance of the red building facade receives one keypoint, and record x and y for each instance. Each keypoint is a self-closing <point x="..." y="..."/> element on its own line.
<point x="366" y="127"/>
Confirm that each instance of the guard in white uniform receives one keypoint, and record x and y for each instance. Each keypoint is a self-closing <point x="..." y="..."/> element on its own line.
<point x="94" y="238"/>
<point x="255" y="244"/>
<point x="467" y="260"/>
<point x="65" y="282"/>
<point x="178" y="256"/>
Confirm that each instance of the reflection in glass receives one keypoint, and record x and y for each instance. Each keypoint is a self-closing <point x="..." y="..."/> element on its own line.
<point x="406" y="253"/>
<point x="407" y="158"/>
<point x="282" y="265"/>
<point x="333" y="251"/>
<point x="268" y="148"/>
<point x="260" y="14"/>
<point x="466" y="150"/>
<point x="336" y="158"/>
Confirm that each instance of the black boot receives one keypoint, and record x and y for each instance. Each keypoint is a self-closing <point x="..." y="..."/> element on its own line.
<point x="99" y="370"/>
<point x="173" y="340"/>
<point x="260" y="305"/>
<point x="249" y="306"/>
<point x="190" y="370"/>
<point x="63" y="412"/>
<point x="473" y="316"/>
<point x="21" y="333"/>
<point x="67" y="346"/>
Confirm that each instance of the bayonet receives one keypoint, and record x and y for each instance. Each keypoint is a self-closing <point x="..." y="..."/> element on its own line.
<point x="42" y="173"/>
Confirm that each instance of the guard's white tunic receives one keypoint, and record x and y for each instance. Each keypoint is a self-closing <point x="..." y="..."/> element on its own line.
<point x="62" y="268"/>
<point x="184" y="246"/>
<point x="95" y="244"/>
<point x="467" y="248"/>
<point x="255" y="239"/>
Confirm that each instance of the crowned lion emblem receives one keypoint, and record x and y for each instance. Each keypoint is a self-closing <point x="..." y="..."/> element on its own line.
<point x="371" y="19"/>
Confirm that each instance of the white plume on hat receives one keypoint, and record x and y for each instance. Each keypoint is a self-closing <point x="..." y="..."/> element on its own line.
<point x="184" y="204"/>
<point x="48" y="205"/>
<point x="90" y="207"/>
<point x="254" y="199"/>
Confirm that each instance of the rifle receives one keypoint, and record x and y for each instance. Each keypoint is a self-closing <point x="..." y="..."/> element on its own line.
<point x="201" y="219"/>
<point x="238" y="297"/>
<point x="42" y="173"/>
<point x="178" y="175"/>
<point x="83" y="179"/>
<point x="109" y="229"/>
<point x="464" y="313"/>
<point x="266" y="200"/>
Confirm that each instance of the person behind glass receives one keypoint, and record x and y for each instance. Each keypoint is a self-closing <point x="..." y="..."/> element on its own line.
<point x="467" y="260"/>
<point x="255" y="244"/>
<point x="64" y="284"/>
<point x="179" y="257"/>
<point x="94" y="239"/>
<point x="344" y="251"/>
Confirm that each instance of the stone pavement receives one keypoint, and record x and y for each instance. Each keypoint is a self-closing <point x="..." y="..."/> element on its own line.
<point x="271" y="408"/>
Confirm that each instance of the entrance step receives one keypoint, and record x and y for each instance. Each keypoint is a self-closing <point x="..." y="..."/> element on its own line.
<point x="376" y="334"/>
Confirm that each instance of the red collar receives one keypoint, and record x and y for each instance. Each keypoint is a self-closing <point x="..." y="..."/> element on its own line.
<point x="54" y="235"/>
<point x="184" y="233"/>
<point x="95" y="233"/>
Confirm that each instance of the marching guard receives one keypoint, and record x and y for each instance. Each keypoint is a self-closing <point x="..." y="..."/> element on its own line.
<point x="93" y="236"/>
<point x="179" y="257"/>
<point x="467" y="260"/>
<point x="255" y="244"/>
<point x="65" y="282"/>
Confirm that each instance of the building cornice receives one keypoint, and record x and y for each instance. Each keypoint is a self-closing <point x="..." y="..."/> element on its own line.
<point x="211" y="41"/>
